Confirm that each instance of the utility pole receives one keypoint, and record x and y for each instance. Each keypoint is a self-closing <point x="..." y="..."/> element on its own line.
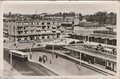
<point x="53" y="51"/>
<point x="11" y="60"/>
<point x="80" y="60"/>
<point x="30" y="48"/>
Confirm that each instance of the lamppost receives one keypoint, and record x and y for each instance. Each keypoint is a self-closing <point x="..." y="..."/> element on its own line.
<point x="53" y="49"/>
<point x="53" y="44"/>
<point x="30" y="48"/>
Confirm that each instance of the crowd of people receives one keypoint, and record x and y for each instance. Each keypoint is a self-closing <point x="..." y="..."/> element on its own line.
<point x="44" y="58"/>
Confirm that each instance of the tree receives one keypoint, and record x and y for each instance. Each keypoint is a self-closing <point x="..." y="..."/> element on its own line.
<point x="102" y="17"/>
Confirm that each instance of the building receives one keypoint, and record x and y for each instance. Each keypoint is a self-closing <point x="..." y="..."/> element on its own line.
<point x="102" y="35"/>
<point x="69" y="17"/>
<point x="19" y="30"/>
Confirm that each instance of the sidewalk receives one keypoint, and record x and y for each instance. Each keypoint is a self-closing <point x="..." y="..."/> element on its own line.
<point x="62" y="66"/>
<point x="7" y="70"/>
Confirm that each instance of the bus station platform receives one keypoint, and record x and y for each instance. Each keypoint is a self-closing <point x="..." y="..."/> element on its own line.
<point x="65" y="67"/>
<point x="91" y="66"/>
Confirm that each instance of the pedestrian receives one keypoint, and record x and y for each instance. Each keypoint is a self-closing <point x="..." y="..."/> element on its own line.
<point x="30" y="55"/>
<point x="40" y="59"/>
<point x="45" y="57"/>
<point x="50" y="61"/>
<point x="44" y="60"/>
<point x="56" y="56"/>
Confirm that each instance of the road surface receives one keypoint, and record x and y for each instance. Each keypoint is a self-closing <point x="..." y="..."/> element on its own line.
<point x="28" y="68"/>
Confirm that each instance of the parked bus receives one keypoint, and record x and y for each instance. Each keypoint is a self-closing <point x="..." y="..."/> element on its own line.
<point x="18" y="55"/>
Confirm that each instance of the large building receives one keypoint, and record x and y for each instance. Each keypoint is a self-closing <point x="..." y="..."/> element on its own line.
<point x="19" y="30"/>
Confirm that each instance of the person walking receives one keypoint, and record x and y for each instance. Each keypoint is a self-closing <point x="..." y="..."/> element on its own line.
<point x="30" y="55"/>
<point x="40" y="59"/>
<point x="50" y="61"/>
<point x="56" y="56"/>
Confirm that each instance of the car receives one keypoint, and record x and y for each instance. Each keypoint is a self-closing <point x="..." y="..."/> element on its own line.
<point x="72" y="42"/>
<point x="80" y="42"/>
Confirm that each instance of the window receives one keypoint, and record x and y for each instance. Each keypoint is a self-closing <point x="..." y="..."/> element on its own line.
<point x="37" y="23"/>
<point x="48" y="27"/>
<point x="109" y="64"/>
<point x="32" y="26"/>
<point x="32" y="31"/>
<point x="42" y="23"/>
<point x="31" y="23"/>
<point x="100" y="61"/>
<point x="19" y="32"/>
<point x="26" y="23"/>
<point x="38" y="26"/>
<point x="25" y="27"/>
<point x="38" y="30"/>
<point x="26" y="32"/>
<point x="48" y="37"/>
<point x="43" y="37"/>
<point x="43" y="27"/>
<point x="48" y="23"/>
<point x="25" y="38"/>
<point x="14" y="27"/>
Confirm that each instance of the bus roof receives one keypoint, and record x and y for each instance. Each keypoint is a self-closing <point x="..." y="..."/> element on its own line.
<point x="19" y="52"/>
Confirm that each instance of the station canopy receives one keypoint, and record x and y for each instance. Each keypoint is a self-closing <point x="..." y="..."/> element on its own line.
<point x="103" y="36"/>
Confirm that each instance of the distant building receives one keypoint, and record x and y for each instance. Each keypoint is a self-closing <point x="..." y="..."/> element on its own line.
<point x="63" y="17"/>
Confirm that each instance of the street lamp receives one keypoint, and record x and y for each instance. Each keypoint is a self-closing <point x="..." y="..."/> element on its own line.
<point x="53" y="47"/>
<point x="53" y="43"/>
<point x="30" y="48"/>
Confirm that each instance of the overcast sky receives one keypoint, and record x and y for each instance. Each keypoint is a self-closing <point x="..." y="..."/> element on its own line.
<point x="51" y="7"/>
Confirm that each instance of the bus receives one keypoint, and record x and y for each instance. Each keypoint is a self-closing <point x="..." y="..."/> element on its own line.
<point x="18" y="55"/>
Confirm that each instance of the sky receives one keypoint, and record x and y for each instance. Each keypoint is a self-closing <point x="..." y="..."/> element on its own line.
<point x="52" y="7"/>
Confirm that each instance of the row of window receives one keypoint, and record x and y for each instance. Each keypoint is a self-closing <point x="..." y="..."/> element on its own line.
<point x="33" y="23"/>
<point x="37" y="38"/>
<point x="31" y="31"/>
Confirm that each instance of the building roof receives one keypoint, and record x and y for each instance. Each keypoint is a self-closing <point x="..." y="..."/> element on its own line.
<point x="18" y="52"/>
<point x="104" y="36"/>
<point x="59" y="15"/>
